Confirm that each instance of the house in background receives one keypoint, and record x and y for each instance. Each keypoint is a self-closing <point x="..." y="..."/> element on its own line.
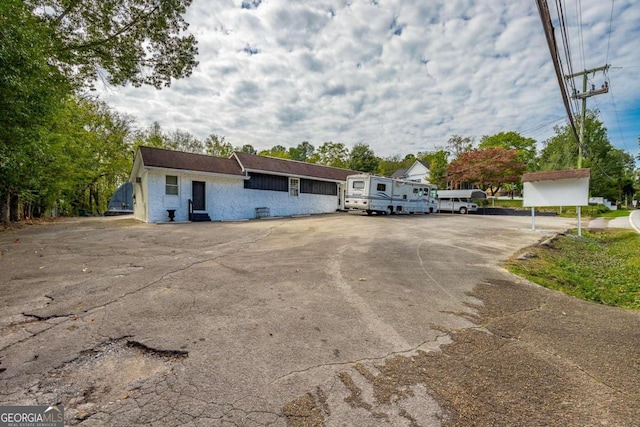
<point x="418" y="171"/>
<point x="197" y="187"/>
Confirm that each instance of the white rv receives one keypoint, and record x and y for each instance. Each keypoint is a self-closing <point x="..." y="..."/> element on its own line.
<point x="371" y="193"/>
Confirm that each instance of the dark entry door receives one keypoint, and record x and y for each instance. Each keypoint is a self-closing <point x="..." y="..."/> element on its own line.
<point x="197" y="195"/>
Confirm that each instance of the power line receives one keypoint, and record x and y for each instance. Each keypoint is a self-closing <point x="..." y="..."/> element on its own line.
<point x="541" y="126"/>
<point x="547" y="25"/>
<point x="615" y="109"/>
<point x="566" y="43"/>
<point x="580" y="34"/>
<point x="610" y="26"/>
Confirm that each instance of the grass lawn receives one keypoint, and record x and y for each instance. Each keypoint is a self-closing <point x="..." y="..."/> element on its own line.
<point x="504" y="203"/>
<point x="615" y="214"/>
<point x="565" y="211"/>
<point x="601" y="266"/>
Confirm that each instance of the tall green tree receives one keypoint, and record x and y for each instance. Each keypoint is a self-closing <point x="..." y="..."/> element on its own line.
<point x="182" y="140"/>
<point x="457" y="145"/>
<point x="333" y="154"/>
<point x="51" y="48"/>
<point x="152" y="136"/>
<point x="118" y="41"/>
<point x="362" y="158"/>
<point x="303" y="152"/>
<point x="276" y="151"/>
<point x="177" y="139"/>
<point x="30" y="92"/>
<point x="216" y="145"/>
<point x="525" y="147"/>
<point x="247" y="148"/>
<point x="609" y="165"/>
<point x="91" y="155"/>
<point x="437" y="161"/>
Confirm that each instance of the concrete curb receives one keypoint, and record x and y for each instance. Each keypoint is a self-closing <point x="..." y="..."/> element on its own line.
<point x="634" y="218"/>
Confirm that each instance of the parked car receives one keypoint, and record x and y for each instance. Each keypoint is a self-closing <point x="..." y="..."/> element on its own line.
<point x="459" y="200"/>
<point x="457" y="204"/>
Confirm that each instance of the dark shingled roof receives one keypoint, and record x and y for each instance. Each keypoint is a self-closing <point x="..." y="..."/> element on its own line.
<point x="292" y="167"/>
<point x="556" y="175"/>
<point x="425" y="164"/>
<point x="159" y="157"/>
<point x="399" y="173"/>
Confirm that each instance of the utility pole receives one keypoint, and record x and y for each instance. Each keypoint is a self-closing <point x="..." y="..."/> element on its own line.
<point x="583" y="96"/>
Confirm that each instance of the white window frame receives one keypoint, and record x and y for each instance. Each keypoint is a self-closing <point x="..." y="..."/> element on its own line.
<point x="167" y="186"/>
<point x="294" y="187"/>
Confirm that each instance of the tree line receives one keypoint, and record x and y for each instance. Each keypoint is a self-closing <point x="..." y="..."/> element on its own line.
<point x="60" y="150"/>
<point x="86" y="151"/>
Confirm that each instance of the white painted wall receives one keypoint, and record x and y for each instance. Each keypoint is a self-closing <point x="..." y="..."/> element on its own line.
<point x="281" y="204"/>
<point x="140" y="198"/>
<point x="226" y="199"/>
<point x="418" y="172"/>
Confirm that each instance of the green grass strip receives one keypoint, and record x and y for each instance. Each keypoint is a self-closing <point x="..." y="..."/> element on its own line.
<point x="601" y="266"/>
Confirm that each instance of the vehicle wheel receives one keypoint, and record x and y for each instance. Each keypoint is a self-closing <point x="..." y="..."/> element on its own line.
<point x="463" y="210"/>
<point x="390" y="210"/>
<point x="369" y="212"/>
<point x="430" y="210"/>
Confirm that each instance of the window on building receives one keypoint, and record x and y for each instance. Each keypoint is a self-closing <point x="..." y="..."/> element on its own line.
<point x="171" y="185"/>
<point x="312" y="186"/>
<point x="282" y="183"/>
<point x="382" y="187"/>
<point x="259" y="181"/>
<point x="294" y="187"/>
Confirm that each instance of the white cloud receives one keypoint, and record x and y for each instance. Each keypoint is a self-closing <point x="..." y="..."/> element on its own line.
<point x="399" y="75"/>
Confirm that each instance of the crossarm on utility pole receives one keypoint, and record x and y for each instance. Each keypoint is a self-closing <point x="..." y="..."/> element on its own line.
<point x="583" y="96"/>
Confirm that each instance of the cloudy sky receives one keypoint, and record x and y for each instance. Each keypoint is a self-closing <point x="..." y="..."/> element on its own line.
<point x="401" y="76"/>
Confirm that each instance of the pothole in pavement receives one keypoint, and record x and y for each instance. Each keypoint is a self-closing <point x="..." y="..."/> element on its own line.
<point x="110" y="372"/>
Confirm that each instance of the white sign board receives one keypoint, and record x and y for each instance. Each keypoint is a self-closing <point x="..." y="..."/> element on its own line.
<point x="560" y="192"/>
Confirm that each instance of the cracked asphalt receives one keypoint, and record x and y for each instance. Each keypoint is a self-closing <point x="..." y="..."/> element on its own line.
<point x="332" y="320"/>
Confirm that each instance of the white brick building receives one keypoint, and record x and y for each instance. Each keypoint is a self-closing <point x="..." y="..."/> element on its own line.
<point x="199" y="187"/>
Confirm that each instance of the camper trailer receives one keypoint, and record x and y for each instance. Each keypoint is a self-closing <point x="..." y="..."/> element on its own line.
<point x="371" y="193"/>
<point x="121" y="203"/>
<point x="461" y="201"/>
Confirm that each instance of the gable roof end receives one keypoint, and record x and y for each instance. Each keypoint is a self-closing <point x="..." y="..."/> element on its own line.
<point x="425" y="164"/>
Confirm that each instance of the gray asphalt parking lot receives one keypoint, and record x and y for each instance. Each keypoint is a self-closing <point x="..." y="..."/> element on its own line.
<point x="329" y="320"/>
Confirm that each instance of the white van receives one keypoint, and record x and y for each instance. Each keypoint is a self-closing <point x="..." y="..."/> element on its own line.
<point x="457" y="204"/>
<point x="459" y="200"/>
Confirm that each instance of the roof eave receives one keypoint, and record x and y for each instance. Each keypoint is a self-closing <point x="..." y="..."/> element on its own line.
<point x="292" y="175"/>
<point x="195" y="172"/>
